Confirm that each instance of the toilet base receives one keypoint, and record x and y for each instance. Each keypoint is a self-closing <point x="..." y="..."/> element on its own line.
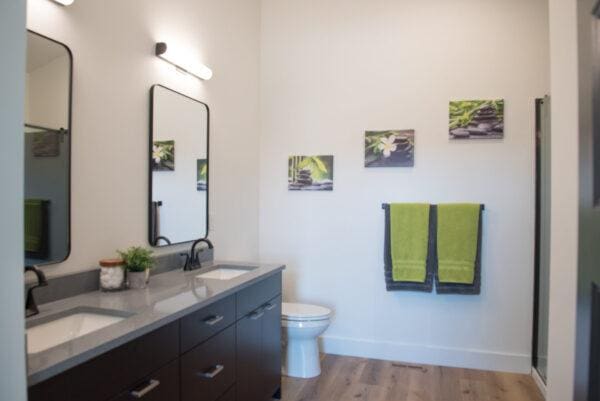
<point x="301" y="358"/>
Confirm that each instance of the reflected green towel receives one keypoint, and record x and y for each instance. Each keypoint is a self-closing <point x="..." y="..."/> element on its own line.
<point x="409" y="241"/>
<point x="33" y="224"/>
<point x="457" y="236"/>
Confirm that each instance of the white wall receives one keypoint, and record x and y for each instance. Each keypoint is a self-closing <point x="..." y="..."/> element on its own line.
<point x="563" y="271"/>
<point x="114" y="67"/>
<point x="564" y="232"/>
<point x="12" y="98"/>
<point x="331" y="70"/>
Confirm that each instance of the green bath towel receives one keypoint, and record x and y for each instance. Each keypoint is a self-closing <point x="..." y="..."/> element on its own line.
<point x="409" y="241"/>
<point x="34" y="217"/>
<point x="457" y="237"/>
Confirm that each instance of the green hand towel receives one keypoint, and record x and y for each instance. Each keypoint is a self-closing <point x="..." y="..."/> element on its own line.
<point x="409" y="241"/>
<point x="457" y="236"/>
<point x="33" y="224"/>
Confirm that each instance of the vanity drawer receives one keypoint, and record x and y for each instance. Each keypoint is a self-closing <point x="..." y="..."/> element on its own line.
<point x="117" y="370"/>
<point x="258" y="294"/>
<point x="160" y="386"/>
<point x="201" y="325"/>
<point x="208" y="370"/>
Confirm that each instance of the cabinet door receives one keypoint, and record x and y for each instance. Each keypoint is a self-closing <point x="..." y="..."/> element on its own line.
<point x="54" y="389"/>
<point x="249" y="385"/>
<point x="229" y="395"/>
<point x="271" y="348"/>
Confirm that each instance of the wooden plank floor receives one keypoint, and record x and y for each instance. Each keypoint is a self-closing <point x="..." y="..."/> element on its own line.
<point x="355" y="379"/>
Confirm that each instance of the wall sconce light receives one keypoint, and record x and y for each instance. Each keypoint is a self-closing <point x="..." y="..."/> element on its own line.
<point x="64" y="2"/>
<point x="196" y="69"/>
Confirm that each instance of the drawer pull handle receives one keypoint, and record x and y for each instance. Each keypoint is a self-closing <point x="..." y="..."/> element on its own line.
<point x="151" y="386"/>
<point x="257" y="315"/>
<point x="270" y="306"/>
<point x="213" y="372"/>
<point x="211" y="321"/>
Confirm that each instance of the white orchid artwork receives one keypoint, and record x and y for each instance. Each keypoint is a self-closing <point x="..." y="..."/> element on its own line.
<point x="163" y="156"/>
<point x="158" y="153"/>
<point x="392" y="148"/>
<point x="388" y="145"/>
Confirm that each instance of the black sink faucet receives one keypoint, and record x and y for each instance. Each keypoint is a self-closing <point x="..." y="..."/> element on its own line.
<point x="192" y="261"/>
<point x="31" y="308"/>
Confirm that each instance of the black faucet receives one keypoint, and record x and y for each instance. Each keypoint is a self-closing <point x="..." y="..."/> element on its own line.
<point x="191" y="261"/>
<point x="31" y="308"/>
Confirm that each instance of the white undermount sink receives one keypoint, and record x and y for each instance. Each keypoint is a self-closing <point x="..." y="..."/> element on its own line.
<point x="226" y="272"/>
<point x="69" y="325"/>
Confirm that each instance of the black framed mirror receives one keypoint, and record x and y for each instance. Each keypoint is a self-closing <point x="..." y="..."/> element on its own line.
<point x="47" y="130"/>
<point x="178" y="167"/>
<point x="596" y="104"/>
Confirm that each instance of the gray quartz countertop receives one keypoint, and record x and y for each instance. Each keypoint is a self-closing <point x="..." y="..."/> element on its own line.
<point x="169" y="296"/>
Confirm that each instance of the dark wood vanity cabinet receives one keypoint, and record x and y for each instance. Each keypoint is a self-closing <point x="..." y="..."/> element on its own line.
<point x="271" y="348"/>
<point x="227" y="351"/>
<point x="259" y="352"/>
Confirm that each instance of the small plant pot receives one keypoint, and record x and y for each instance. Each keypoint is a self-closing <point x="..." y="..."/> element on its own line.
<point x="137" y="280"/>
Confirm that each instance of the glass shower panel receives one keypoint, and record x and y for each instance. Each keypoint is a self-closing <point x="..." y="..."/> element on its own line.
<point x="543" y="143"/>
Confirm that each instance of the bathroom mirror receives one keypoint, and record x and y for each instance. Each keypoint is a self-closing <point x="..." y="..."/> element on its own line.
<point x="47" y="156"/>
<point x="179" y="127"/>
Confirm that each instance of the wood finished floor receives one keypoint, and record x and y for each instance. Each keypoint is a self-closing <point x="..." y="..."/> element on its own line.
<point x="355" y="379"/>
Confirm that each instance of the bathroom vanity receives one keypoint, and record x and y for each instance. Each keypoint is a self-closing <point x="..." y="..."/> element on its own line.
<point x="184" y="338"/>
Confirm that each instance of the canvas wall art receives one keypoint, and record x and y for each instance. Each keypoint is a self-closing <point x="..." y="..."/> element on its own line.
<point x="163" y="156"/>
<point x="310" y="173"/>
<point x="201" y="174"/>
<point x="477" y="119"/>
<point x="393" y="148"/>
<point x="46" y="144"/>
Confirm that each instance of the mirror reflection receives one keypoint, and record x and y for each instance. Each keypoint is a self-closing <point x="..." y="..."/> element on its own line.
<point x="47" y="150"/>
<point x="178" y="168"/>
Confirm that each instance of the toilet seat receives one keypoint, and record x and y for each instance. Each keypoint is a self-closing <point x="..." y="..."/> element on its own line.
<point x="304" y="312"/>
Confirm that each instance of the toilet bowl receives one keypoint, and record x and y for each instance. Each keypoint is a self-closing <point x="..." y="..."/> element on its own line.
<point x="302" y="324"/>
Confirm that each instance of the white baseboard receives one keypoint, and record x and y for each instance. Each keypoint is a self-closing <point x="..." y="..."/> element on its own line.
<point x="428" y="355"/>
<point x="538" y="380"/>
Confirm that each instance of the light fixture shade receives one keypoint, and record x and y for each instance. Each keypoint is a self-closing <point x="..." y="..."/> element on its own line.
<point x="182" y="62"/>
<point x="64" y="2"/>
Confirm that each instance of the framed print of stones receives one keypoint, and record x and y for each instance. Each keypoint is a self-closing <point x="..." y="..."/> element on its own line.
<point x="477" y="119"/>
<point x="310" y="173"/>
<point x="394" y="148"/>
<point x="46" y="144"/>
<point x="163" y="156"/>
<point x="201" y="174"/>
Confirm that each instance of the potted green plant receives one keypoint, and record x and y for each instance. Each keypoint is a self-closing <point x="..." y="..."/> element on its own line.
<point x="138" y="262"/>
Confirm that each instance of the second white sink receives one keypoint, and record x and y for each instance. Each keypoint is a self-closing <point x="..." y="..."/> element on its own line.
<point x="226" y="272"/>
<point x="68" y="326"/>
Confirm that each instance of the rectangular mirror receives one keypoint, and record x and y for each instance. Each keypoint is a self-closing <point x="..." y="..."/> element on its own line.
<point x="179" y="130"/>
<point x="47" y="150"/>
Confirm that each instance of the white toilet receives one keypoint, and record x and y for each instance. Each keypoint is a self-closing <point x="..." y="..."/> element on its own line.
<point x="301" y="325"/>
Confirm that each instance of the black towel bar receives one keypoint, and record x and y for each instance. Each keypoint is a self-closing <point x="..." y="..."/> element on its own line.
<point x="385" y="206"/>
